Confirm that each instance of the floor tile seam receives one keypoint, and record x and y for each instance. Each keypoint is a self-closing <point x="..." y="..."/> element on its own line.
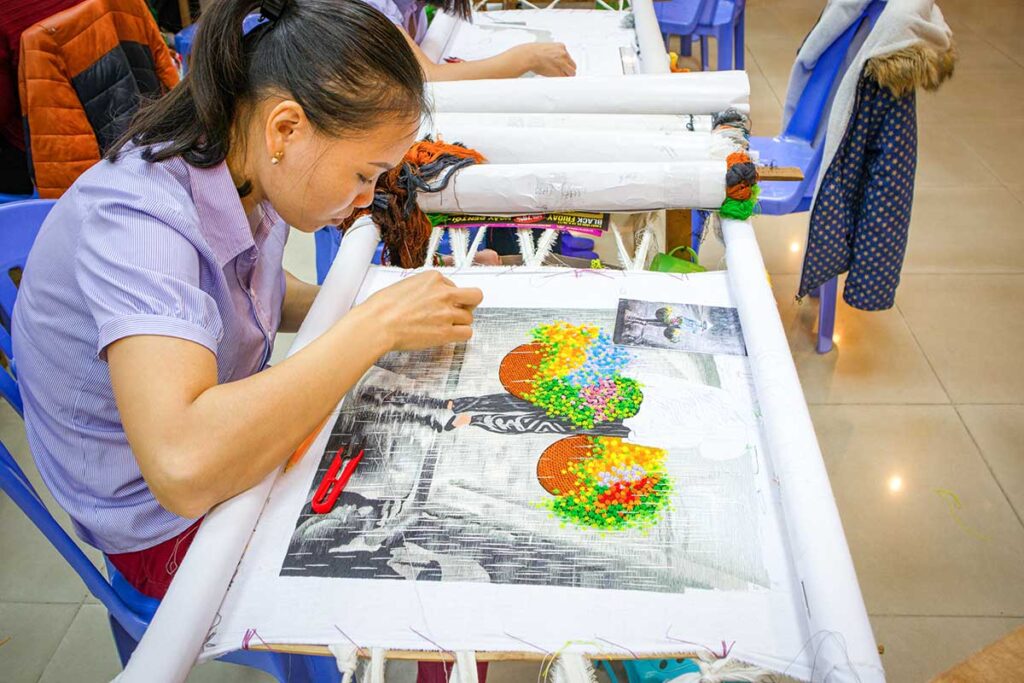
<point x="60" y="641"/>
<point x="988" y="465"/>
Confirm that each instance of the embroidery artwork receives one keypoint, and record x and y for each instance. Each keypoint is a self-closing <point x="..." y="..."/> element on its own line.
<point x="685" y="327"/>
<point x="542" y="453"/>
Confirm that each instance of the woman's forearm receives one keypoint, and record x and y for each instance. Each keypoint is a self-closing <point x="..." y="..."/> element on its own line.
<point x="509" y="64"/>
<point x="298" y="297"/>
<point x="256" y="422"/>
<point x="199" y="444"/>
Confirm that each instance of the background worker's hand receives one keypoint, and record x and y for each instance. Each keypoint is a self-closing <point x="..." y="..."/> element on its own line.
<point x="423" y="311"/>
<point x="548" y="59"/>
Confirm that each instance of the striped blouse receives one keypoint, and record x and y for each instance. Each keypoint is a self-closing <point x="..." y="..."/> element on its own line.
<point x="135" y="248"/>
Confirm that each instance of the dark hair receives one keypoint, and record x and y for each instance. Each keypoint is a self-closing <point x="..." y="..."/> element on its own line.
<point x="463" y="9"/>
<point x="344" y="62"/>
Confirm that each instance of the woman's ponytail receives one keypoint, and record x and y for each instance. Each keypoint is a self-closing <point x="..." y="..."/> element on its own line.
<point x="345" y="63"/>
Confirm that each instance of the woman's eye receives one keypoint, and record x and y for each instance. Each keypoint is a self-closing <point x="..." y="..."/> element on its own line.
<point x="363" y="179"/>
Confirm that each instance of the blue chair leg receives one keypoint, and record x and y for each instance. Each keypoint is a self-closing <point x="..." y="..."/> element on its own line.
<point x="124" y="643"/>
<point x="827" y="315"/>
<point x="685" y="46"/>
<point x="696" y="229"/>
<point x="724" y="40"/>
<point x="704" y="58"/>
<point x="740" y="32"/>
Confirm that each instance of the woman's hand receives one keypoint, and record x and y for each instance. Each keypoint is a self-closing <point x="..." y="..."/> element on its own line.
<point x="547" y="59"/>
<point x="422" y="311"/>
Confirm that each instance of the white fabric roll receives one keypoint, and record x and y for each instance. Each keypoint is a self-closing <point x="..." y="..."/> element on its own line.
<point x="839" y="629"/>
<point x="529" y="188"/>
<point x="702" y="92"/>
<point x="653" y="56"/>
<point x="176" y="635"/>
<point x="551" y="145"/>
<point x="651" y="123"/>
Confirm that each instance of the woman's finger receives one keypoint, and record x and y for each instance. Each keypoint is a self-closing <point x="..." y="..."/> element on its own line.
<point x="467" y="297"/>
<point x="461" y="333"/>
<point x="462" y="316"/>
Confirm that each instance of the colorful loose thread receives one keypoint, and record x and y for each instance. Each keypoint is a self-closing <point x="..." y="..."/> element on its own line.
<point x="579" y="376"/>
<point x="741" y="178"/>
<point x="619" y="486"/>
<point x="428" y="166"/>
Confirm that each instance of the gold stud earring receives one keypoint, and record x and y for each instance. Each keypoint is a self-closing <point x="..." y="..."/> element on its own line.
<point x="276" y="159"/>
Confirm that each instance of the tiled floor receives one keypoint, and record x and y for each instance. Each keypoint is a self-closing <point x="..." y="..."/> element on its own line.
<point x="928" y="395"/>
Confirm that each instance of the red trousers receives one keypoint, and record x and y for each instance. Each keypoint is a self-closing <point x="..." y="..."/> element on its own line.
<point x="152" y="569"/>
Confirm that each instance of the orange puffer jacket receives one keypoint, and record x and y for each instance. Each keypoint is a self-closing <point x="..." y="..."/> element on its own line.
<point x="82" y="75"/>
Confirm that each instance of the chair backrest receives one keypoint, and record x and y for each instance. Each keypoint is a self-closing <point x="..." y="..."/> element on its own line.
<point x="8" y="382"/>
<point x="82" y="75"/>
<point x="681" y="16"/>
<point x="815" y="102"/>
<point x="16" y="485"/>
<point x="19" y="223"/>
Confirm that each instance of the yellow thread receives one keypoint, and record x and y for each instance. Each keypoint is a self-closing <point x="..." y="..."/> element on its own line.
<point x="546" y="671"/>
<point x="954" y="506"/>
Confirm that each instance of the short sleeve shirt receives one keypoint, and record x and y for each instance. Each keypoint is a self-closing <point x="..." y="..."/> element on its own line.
<point x="410" y="15"/>
<point x="135" y="248"/>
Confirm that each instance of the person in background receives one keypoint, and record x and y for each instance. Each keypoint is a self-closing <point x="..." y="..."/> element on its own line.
<point x="15" y="17"/>
<point x="543" y="59"/>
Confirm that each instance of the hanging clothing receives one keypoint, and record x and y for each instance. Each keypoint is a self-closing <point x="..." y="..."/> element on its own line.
<point x="860" y="217"/>
<point x="861" y="214"/>
<point x="82" y="76"/>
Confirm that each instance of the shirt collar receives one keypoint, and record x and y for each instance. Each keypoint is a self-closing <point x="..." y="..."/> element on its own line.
<point x="222" y="219"/>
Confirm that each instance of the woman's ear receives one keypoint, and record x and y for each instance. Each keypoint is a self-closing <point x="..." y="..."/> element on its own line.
<point x="286" y="124"/>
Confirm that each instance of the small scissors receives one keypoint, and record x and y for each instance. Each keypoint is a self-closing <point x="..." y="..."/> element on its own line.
<point x="333" y="483"/>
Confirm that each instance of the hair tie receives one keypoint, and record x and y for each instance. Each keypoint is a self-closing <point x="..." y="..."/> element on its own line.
<point x="271" y="10"/>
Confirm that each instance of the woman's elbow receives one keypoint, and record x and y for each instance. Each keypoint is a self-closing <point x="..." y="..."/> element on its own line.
<point x="181" y="487"/>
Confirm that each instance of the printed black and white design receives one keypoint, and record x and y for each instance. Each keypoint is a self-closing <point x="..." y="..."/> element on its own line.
<point x="681" y="327"/>
<point x="447" y="489"/>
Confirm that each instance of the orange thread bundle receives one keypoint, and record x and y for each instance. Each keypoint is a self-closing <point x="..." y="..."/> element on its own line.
<point x="404" y="228"/>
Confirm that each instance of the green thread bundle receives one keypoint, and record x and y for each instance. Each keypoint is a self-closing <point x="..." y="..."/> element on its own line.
<point x="740" y="209"/>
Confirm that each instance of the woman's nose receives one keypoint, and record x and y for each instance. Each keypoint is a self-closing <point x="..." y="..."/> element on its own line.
<point x="364" y="198"/>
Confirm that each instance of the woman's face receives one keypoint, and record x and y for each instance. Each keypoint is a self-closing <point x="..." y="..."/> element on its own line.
<point x="321" y="180"/>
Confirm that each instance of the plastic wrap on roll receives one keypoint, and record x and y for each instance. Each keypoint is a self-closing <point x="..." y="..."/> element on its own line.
<point x="839" y="629"/>
<point x="552" y="145"/>
<point x="529" y="188"/>
<point x="653" y="56"/>
<point x="702" y="92"/>
<point x="176" y="634"/>
<point x="651" y="123"/>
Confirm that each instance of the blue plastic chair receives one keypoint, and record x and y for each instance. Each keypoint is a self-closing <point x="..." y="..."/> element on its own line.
<point x="7" y="198"/>
<point x="723" y="20"/>
<point x="801" y="144"/>
<point x="19" y="225"/>
<point x="130" y="611"/>
<point x="680" y="18"/>
<point x="184" y="38"/>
